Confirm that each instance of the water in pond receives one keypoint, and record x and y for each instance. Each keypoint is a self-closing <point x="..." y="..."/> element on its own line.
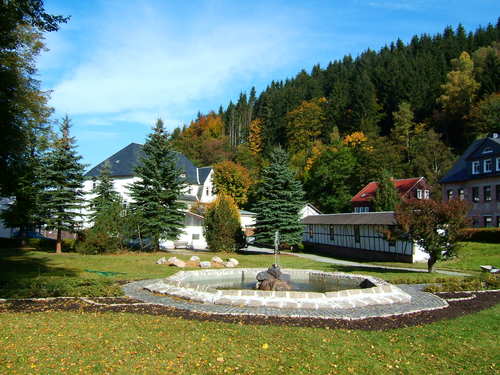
<point x="313" y="285"/>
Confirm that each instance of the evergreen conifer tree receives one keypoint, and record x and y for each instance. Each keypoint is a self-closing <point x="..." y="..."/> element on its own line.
<point x="105" y="196"/>
<point x="386" y="197"/>
<point x="222" y="227"/>
<point x="281" y="198"/>
<point x="63" y="181"/>
<point x="158" y="189"/>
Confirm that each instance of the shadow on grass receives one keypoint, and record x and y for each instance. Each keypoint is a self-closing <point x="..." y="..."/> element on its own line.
<point x="25" y="275"/>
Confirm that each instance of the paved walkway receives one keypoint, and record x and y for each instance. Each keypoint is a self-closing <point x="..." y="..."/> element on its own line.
<point x="323" y="259"/>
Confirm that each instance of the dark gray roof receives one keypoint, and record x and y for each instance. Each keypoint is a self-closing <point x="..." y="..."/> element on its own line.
<point x="365" y="218"/>
<point x="203" y="173"/>
<point x="124" y="162"/>
<point x="459" y="171"/>
<point x="188" y="198"/>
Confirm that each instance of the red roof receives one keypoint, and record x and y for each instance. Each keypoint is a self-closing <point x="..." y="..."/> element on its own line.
<point x="403" y="186"/>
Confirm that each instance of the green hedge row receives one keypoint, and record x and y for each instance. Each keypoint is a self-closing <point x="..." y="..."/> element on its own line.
<point x="491" y="235"/>
<point x="43" y="244"/>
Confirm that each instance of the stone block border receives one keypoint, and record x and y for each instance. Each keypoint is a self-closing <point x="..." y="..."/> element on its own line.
<point x="189" y="285"/>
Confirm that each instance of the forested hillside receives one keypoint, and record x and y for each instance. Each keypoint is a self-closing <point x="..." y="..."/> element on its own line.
<point x="407" y="110"/>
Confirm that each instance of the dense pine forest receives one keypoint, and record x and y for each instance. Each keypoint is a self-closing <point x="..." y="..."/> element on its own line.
<point x="407" y="110"/>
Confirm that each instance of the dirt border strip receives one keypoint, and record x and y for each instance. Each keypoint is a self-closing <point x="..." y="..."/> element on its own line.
<point x="456" y="309"/>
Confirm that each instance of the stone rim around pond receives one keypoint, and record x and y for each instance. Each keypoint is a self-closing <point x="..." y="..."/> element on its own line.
<point x="184" y="284"/>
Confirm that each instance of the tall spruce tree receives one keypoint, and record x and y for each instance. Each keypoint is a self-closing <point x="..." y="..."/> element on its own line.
<point x="104" y="195"/>
<point x="386" y="197"/>
<point x="156" y="193"/>
<point x="281" y="198"/>
<point x="63" y="181"/>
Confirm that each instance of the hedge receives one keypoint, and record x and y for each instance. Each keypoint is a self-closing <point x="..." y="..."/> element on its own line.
<point x="491" y="235"/>
<point x="44" y="244"/>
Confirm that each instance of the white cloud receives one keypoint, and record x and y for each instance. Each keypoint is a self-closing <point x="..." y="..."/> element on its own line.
<point x="143" y="67"/>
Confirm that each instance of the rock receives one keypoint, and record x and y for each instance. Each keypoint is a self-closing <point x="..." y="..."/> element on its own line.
<point x="229" y="264"/>
<point x="234" y="261"/>
<point x="264" y="275"/>
<point x="274" y="271"/>
<point x="217" y="265"/>
<point x="192" y="264"/>
<point x="173" y="261"/>
<point x="194" y="258"/>
<point x="274" y="284"/>
<point x="162" y="260"/>
<point x="217" y="260"/>
<point x="205" y="264"/>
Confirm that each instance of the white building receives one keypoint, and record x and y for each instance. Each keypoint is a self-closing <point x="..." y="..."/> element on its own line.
<point x="199" y="188"/>
<point x="359" y="236"/>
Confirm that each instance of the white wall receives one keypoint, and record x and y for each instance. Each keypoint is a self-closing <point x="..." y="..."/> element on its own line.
<point x="307" y="211"/>
<point x="206" y="195"/>
<point x="370" y="238"/>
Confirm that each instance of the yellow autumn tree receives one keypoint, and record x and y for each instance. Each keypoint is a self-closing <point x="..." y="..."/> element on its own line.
<point x="232" y="179"/>
<point x="305" y="124"/>
<point x="255" y="136"/>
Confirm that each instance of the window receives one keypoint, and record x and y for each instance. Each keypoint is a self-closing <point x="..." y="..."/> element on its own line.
<point x="498" y="165"/>
<point x="498" y="192"/>
<point x="207" y="191"/>
<point x="310" y="231"/>
<point x="357" y="237"/>
<point x="361" y="209"/>
<point x="196" y="236"/>
<point x="487" y="165"/>
<point x="451" y="194"/>
<point x="426" y="194"/>
<point x="488" y="221"/>
<point x="182" y="175"/>
<point x="332" y="232"/>
<point x="419" y="194"/>
<point x="487" y="150"/>
<point x="475" y="167"/>
<point x="487" y="193"/>
<point x="461" y="194"/>
<point x="475" y="194"/>
<point x="392" y="243"/>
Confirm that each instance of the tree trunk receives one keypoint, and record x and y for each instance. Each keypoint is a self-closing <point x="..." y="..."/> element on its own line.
<point x="59" y="242"/>
<point x="430" y="263"/>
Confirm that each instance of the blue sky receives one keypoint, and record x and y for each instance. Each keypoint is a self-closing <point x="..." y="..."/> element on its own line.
<point x="117" y="66"/>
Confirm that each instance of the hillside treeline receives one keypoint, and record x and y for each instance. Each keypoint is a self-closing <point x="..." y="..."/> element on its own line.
<point x="407" y="110"/>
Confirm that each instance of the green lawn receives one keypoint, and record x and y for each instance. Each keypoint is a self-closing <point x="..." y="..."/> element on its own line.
<point x="25" y="273"/>
<point x="471" y="255"/>
<point x="124" y="343"/>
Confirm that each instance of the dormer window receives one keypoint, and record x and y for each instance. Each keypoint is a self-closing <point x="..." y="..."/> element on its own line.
<point x="487" y="150"/>
<point x="487" y="165"/>
<point x="182" y="175"/>
<point x="475" y="167"/>
<point x="426" y="194"/>
<point x="419" y="194"/>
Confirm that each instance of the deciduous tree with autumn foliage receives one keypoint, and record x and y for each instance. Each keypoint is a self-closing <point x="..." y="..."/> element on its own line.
<point x="435" y="226"/>
<point x="232" y="179"/>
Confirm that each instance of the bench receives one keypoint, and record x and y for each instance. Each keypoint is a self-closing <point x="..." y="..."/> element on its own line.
<point x="182" y="245"/>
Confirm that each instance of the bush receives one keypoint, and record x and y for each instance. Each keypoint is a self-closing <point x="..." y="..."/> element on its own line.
<point x="483" y="282"/>
<point x="222" y="226"/>
<point x="41" y="244"/>
<point x="95" y="241"/>
<point x="488" y="235"/>
<point x="58" y="286"/>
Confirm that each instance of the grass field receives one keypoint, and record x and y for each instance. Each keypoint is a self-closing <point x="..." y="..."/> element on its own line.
<point x="58" y="342"/>
<point x="470" y="256"/>
<point x="124" y="343"/>
<point x="25" y="273"/>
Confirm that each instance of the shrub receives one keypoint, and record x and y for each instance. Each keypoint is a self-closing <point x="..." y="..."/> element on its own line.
<point x="41" y="244"/>
<point x="483" y="282"/>
<point x="488" y="235"/>
<point x="58" y="286"/>
<point x="222" y="226"/>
